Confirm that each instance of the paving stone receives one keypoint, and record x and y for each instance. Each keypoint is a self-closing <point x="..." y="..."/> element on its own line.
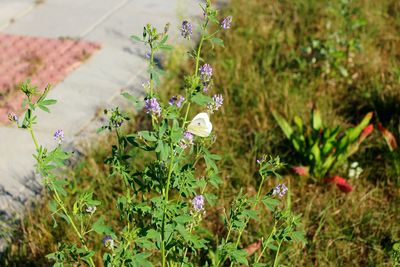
<point x="26" y="57"/>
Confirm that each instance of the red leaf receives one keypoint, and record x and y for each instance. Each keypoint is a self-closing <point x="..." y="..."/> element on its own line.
<point x="389" y="137"/>
<point x="365" y="132"/>
<point x="300" y="170"/>
<point x="341" y="183"/>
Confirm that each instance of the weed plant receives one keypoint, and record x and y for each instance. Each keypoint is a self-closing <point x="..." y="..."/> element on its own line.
<point x="266" y="63"/>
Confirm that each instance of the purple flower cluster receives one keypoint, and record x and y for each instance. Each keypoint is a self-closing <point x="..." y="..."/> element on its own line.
<point x="186" y="29"/>
<point x="59" y="136"/>
<point x="218" y="101"/>
<point x="206" y="73"/>
<point x="152" y="106"/>
<point x="91" y="209"/>
<point x="108" y="242"/>
<point x="198" y="203"/>
<point x="177" y="100"/>
<point x="12" y="117"/>
<point x="187" y="140"/>
<point x="280" y="190"/>
<point x="226" y="23"/>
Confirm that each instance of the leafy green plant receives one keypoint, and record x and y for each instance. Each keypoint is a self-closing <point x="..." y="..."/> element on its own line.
<point x="165" y="200"/>
<point x="319" y="148"/>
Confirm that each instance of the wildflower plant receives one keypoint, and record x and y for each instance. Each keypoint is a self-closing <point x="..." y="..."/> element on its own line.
<point x="321" y="150"/>
<point x="166" y="200"/>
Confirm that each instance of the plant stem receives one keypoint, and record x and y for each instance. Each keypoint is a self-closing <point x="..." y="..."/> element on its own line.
<point x="61" y="204"/>
<point x="266" y="242"/>
<point x="196" y="70"/>
<point x="253" y="207"/>
<point x="277" y="255"/>
<point x="166" y="196"/>
<point x="33" y="137"/>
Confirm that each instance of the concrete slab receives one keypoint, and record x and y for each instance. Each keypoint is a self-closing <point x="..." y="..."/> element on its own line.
<point x="12" y="10"/>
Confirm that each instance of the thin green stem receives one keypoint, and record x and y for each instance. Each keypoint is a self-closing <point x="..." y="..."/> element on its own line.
<point x="166" y="197"/>
<point x="33" y="137"/>
<point x="61" y="204"/>
<point x="253" y="207"/>
<point x="277" y="255"/>
<point x="266" y="242"/>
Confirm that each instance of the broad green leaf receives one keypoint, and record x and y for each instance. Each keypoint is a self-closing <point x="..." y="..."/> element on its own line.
<point x="201" y="99"/>
<point x="138" y="103"/>
<point x="136" y="38"/>
<point x="283" y="124"/>
<point x="101" y="228"/>
<point x="148" y="136"/>
<point x="316" y="119"/>
<point x="217" y="41"/>
<point x="270" y="203"/>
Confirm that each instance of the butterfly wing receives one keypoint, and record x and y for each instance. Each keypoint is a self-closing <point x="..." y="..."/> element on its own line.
<point x="200" y="125"/>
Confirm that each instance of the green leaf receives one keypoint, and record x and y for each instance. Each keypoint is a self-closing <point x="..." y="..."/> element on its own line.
<point x="316" y="154"/>
<point x="136" y="38"/>
<point x="140" y="260"/>
<point x="183" y="219"/>
<point x="270" y="202"/>
<point x="176" y="132"/>
<point x="48" y="102"/>
<point x="283" y="124"/>
<point x="101" y="228"/>
<point x="210" y="198"/>
<point x="316" y="120"/>
<point x="201" y="99"/>
<point x="44" y="108"/>
<point x="52" y="205"/>
<point x="217" y="41"/>
<point x="163" y="149"/>
<point x="138" y="103"/>
<point x="148" y="136"/>
<point x="166" y="47"/>
<point x="298" y="236"/>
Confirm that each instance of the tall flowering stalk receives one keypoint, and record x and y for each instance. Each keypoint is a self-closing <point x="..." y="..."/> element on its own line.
<point x="165" y="200"/>
<point x="47" y="160"/>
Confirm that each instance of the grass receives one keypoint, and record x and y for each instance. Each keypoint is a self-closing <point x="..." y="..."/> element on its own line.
<point x="286" y="55"/>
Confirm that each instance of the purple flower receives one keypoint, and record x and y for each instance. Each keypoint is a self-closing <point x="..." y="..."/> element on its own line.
<point x="205" y="73"/>
<point x="108" y="242"/>
<point x="148" y="55"/>
<point x="280" y="190"/>
<point x="59" y="136"/>
<point x="218" y="100"/>
<point x="177" y="100"/>
<point x="226" y="23"/>
<point x="13" y="117"/>
<point x="172" y="100"/>
<point x="91" y="209"/>
<point x="205" y="88"/>
<point x="152" y="106"/>
<point x="186" y="29"/>
<point x="187" y="140"/>
<point x="180" y="101"/>
<point x="188" y="136"/>
<point x="198" y="203"/>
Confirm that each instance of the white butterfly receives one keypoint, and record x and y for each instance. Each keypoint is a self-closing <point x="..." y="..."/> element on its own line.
<point x="200" y="125"/>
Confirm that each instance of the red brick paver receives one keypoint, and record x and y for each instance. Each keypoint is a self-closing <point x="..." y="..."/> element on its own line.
<point x="43" y="60"/>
